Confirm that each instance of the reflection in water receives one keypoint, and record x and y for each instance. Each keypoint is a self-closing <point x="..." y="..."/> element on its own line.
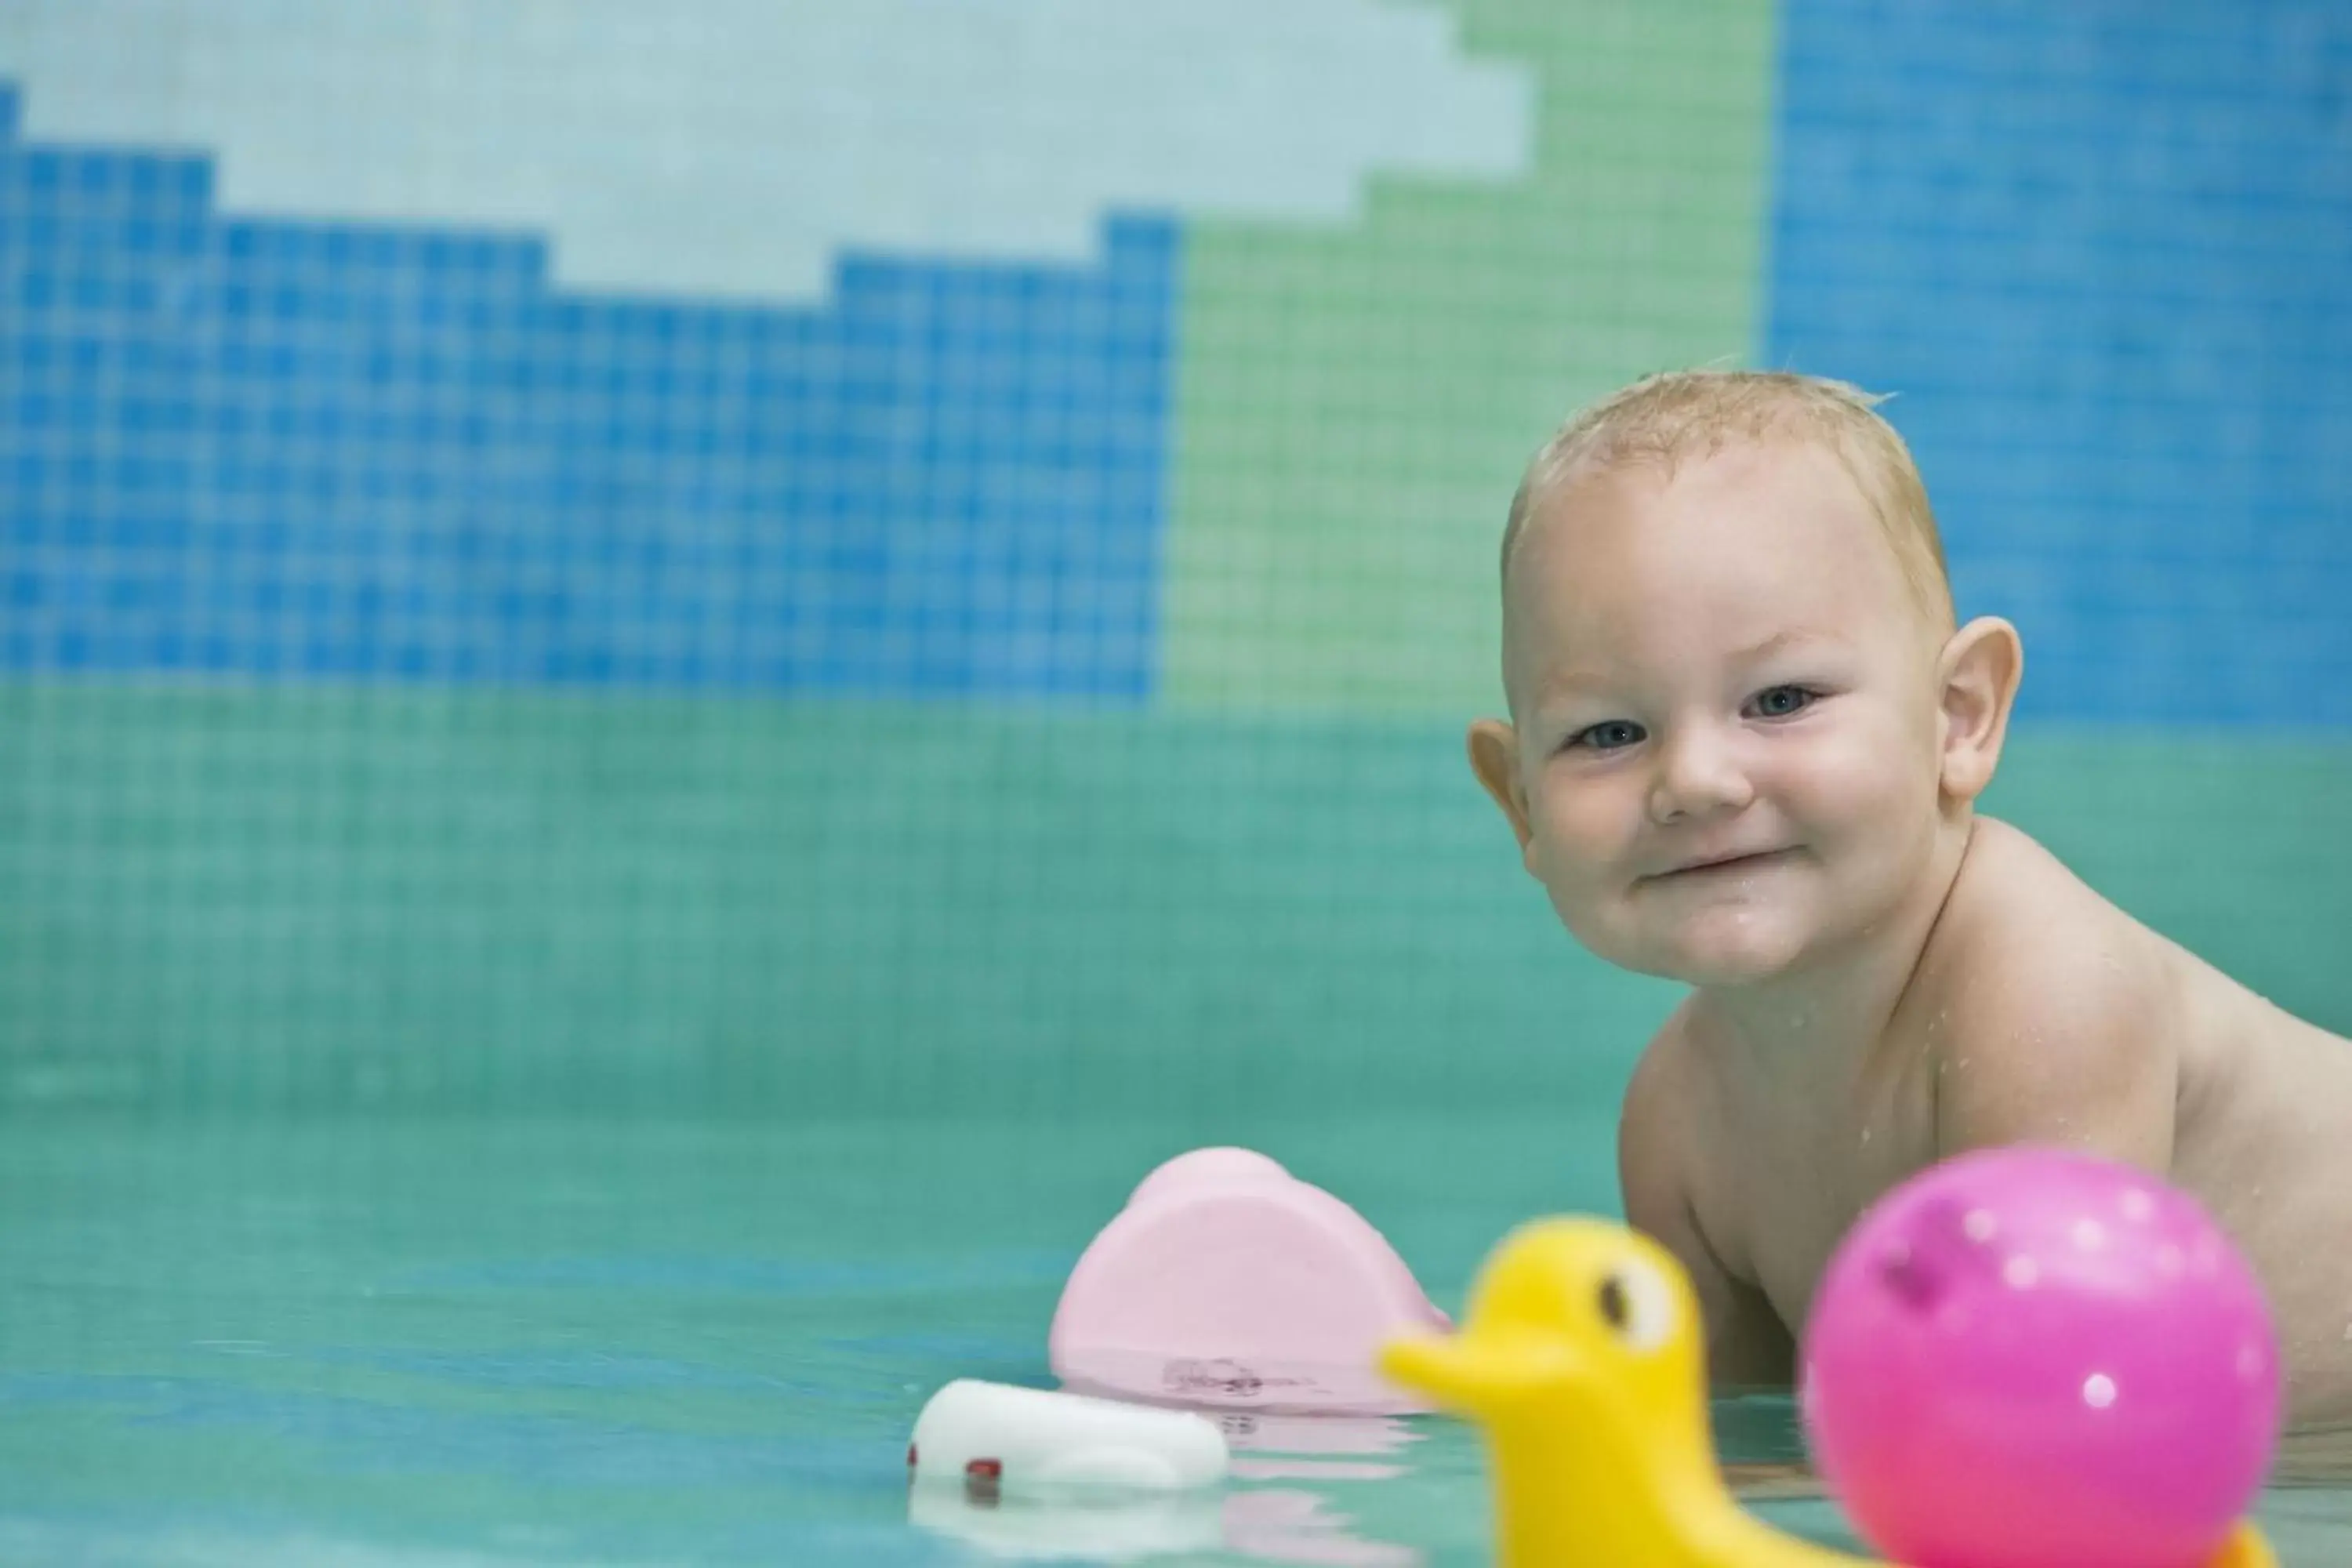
<point x="1266" y="1524"/>
<point x="2315" y="1455"/>
<point x="1115" y="1529"/>
<point x="1279" y="1525"/>
<point x="1760" y="1446"/>
<point x="1296" y="1448"/>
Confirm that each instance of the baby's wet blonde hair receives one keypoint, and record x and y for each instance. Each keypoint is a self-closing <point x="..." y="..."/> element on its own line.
<point x="1667" y="418"/>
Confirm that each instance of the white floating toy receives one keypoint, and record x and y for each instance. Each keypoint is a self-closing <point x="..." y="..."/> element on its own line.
<point x="995" y="1440"/>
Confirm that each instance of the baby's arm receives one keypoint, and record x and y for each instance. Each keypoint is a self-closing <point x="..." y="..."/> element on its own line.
<point x="1746" y="1344"/>
<point x="2059" y="1043"/>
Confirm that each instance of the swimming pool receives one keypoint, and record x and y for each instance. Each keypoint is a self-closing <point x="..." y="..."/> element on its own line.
<point x="505" y="1341"/>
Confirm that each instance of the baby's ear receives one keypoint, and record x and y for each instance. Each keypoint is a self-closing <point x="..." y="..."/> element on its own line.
<point x="1980" y="667"/>
<point x="1494" y="758"/>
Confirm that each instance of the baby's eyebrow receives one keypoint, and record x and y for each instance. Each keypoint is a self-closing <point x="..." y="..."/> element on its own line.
<point x="1560" y="685"/>
<point x="1792" y="637"/>
<point x="1552" y="685"/>
<point x="1560" y="680"/>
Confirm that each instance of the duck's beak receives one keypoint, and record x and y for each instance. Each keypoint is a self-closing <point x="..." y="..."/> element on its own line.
<point x="1469" y="1375"/>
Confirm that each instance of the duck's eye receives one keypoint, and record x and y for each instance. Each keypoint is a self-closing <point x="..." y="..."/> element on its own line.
<point x="1637" y="1306"/>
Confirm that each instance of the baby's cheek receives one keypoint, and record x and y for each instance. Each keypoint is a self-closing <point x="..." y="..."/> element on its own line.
<point x="1587" y="897"/>
<point x="1586" y="828"/>
<point x="1875" y="824"/>
<point x="1595" y="923"/>
<point x="1564" y="863"/>
<point x="1862" y="787"/>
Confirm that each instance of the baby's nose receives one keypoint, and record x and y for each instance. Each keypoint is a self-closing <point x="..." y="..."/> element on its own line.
<point x="1698" y="775"/>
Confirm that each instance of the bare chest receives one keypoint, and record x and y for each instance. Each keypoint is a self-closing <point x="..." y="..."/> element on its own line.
<point x="1782" y="1190"/>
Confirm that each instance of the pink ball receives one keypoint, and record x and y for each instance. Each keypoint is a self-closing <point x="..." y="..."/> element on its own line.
<point x="2025" y="1358"/>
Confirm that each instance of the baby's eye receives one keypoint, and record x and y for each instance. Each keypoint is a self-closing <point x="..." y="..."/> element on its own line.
<point x="1607" y="736"/>
<point x="1780" y="701"/>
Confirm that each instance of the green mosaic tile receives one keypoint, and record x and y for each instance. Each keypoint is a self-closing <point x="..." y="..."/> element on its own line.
<point x="1353" y="407"/>
<point x="282" y="899"/>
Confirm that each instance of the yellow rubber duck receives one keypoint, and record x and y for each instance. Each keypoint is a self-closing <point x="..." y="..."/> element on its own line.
<point x="1582" y="1357"/>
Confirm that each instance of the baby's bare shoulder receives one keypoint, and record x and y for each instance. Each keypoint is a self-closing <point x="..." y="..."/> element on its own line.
<point x="2023" y="939"/>
<point x="2054" y="1016"/>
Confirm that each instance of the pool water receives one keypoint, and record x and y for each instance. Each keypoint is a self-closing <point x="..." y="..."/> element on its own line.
<point x="498" y="1341"/>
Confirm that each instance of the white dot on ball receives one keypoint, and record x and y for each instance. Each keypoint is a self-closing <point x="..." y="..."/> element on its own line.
<point x="1979" y="1225"/>
<point x="2021" y="1271"/>
<point x="2137" y="1204"/>
<point x="2168" y="1259"/>
<point x="2090" y="1235"/>
<point x="2099" y="1391"/>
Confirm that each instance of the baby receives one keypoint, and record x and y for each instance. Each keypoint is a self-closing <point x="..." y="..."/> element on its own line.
<point x="1746" y="741"/>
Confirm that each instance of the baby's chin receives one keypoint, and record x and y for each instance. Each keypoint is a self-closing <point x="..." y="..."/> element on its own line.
<point x="1722" y="951"/>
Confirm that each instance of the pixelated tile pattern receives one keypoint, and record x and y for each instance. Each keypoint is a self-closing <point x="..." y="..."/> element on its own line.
<point x="303" y="896"/>
<point x="2100" y="253"/>
<point x="495" y="806"/>
<point x="1353" y="410"/>
<point x="737" y="147"/>
<point x="287" y="449"/>
<point x="464" y="898"/>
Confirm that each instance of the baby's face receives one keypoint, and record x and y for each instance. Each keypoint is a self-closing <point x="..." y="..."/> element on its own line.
<point x="1727" y="720"/>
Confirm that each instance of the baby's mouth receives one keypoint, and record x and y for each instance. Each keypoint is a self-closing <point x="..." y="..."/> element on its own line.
<point x="1727" y="864"/>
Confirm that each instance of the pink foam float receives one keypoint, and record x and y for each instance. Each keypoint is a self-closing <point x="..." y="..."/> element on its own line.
<point x="1227" y="1283"/>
